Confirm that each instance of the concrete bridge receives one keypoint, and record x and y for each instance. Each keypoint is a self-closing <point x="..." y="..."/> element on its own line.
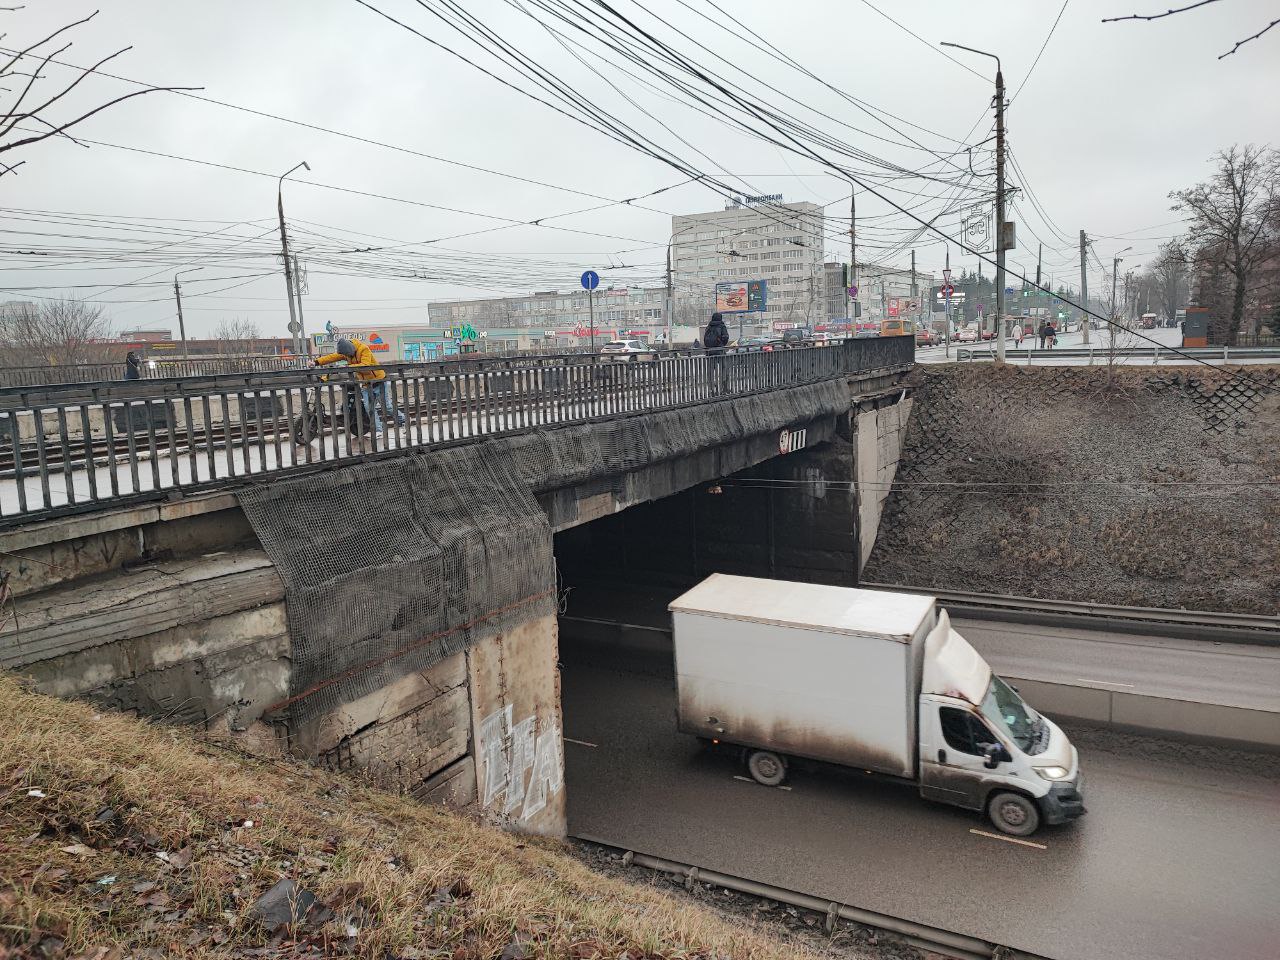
<point x="171" y="548"/>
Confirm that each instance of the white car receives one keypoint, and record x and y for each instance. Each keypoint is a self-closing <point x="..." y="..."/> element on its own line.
<point x="628" y="350"/>
<point x="967" y="335"/>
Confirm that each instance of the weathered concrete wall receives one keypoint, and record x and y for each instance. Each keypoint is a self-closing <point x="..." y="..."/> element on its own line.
<point x="880" y="432"/>
<point x="515" y="713"/>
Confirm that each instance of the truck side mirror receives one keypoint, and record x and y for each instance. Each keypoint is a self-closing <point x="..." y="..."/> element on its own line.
<point x="994" y="754"/>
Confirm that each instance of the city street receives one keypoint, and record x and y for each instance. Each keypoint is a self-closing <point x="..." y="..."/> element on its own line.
<point x="1099" y="340"/>
<point x="1175" y="859"/>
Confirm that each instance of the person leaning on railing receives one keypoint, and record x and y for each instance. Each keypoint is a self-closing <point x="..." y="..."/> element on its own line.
<point x="358" y="355"/>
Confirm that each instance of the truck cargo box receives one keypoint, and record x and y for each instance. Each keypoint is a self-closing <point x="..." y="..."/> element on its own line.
<point x="803" y="669"/>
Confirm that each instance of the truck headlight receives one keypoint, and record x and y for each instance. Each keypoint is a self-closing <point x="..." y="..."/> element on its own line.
<point x="1053" y="773"/>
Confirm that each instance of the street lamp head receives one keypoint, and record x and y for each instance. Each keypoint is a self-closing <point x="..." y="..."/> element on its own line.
<point x="306" y="165"/>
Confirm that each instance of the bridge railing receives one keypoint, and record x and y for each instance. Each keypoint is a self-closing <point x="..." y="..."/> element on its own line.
<point x="71" y="447"/>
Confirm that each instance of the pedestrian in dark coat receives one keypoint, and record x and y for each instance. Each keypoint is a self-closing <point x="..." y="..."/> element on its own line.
<point x="716" y="337"/>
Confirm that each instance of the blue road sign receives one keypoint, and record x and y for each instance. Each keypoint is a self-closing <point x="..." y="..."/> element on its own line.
<point x="590" y="280"/>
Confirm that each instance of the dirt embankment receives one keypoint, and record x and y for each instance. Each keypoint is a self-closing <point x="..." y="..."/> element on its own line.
<point x="1151" y="487"/>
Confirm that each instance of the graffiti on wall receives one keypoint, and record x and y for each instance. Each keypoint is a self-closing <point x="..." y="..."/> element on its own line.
<point x="521" y="766"/>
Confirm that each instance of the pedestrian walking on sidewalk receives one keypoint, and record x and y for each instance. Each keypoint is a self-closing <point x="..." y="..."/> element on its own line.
<point x="1017" y="335"/>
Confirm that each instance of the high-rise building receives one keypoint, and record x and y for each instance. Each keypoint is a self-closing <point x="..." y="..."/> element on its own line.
<point x="754" y="238"/>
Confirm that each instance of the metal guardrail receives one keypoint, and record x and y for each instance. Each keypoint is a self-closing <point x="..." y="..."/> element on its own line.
<point x="68" y="448"/>
<point x="1104" y="355"/>
<point x="151" y="369"/>
<point x="1192" y="624"/>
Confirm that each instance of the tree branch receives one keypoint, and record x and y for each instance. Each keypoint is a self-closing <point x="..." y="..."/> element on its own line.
<point x="22" y="53"/>
<point x="71" y="86"/>
<point x="1241" y="43"/>
<point x="1157" y="16"/>
<point x="57" y="129"/>
<point x="27" y="89"/>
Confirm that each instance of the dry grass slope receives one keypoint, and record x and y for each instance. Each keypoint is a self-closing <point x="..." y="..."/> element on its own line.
<point x="119" y="839"/>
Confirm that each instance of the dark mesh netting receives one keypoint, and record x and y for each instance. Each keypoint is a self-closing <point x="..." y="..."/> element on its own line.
<point x="390" y="567"/>
<point x="394" y="565"/>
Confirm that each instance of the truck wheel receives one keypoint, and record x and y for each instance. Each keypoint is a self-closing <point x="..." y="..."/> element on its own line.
<point x="1014" y="814"/>
<point x="766" y="767"/>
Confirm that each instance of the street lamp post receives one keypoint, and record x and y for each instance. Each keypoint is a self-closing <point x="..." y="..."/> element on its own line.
<point x="294" y="329"/>
<point x="1000" y="246"/>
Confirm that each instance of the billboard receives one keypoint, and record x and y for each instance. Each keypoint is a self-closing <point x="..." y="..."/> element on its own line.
<point x="894" y="307"/>
<point x="744" y="296"/>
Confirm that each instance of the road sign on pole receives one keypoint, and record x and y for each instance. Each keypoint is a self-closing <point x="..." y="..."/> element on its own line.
<point x="590" y="280"/>
<point x="853" y="290"/>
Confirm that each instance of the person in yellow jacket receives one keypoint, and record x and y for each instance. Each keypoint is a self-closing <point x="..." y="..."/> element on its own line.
<point x="357" y="354"/>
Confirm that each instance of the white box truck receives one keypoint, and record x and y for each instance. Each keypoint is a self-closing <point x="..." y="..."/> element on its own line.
<point x="868" y="679"/>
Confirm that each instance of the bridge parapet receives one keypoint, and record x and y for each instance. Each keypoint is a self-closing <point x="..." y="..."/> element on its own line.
<point x="68" y="448"/>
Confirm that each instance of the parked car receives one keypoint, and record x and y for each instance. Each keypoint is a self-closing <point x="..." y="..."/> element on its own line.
<point x="628" y="350"/>
<point x="766" y="344"/>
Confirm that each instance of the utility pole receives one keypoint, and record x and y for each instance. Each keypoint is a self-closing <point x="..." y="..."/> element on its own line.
<point x="671" y="297"/>
<point x="1000" y="231"/>
<point x="294" y="329"/>
<point x="1000" y="244"/>
<point x="1084" y="290"/>
<point x="914" y="292"/>
<point x="850" y="310"/>
<point x="182" y="327"/>
<point x="946" y="324"/>
<point x="297" y="292"/>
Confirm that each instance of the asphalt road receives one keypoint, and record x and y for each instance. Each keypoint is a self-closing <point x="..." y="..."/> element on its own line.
<point x="1234" y="675"/>
<point x="1178" y="857"/>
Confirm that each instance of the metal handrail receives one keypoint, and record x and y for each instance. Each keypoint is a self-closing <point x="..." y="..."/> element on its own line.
<point x="66" y="448"/>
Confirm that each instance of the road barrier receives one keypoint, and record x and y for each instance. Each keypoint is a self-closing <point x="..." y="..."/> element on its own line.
<point x="1105" y="355"/>
<point x="67" y="448"/>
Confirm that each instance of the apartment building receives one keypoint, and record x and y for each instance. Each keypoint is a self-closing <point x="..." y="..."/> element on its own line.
<point x="754" y="238"/>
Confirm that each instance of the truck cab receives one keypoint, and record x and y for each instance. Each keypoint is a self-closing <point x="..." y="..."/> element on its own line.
<point x="982" y="747"/>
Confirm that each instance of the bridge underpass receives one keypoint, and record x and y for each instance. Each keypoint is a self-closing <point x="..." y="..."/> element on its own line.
<point x="391" y="613"/>
<point x="1193" y="815"/>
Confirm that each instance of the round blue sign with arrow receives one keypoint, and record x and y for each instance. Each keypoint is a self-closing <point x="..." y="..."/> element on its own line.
<point x="590" y="280"/>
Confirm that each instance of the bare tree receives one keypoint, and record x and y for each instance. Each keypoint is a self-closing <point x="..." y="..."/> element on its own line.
<point x="54" y="333"/>
<point x="34" y="110"/>
<point x="1193" y="6"/>
<point x="1166" y="279"/>
<point x="237" y="335"/>
<point x="1232" y="216"/>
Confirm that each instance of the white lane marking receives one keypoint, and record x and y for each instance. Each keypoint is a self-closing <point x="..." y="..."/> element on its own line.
<point x="1109" y="683"/>
<point x="581" y="743"/>
<point x="1001" y="836"/>
<point x="749" y="780"/>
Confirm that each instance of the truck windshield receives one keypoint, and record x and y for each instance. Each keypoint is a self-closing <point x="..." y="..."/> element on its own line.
<point x="1003" y="707"/>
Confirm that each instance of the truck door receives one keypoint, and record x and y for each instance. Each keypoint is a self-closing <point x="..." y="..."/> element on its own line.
<point x="952" y="762"/>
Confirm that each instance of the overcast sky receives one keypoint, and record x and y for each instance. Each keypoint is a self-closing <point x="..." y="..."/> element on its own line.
<point x="1112" y="118"/>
